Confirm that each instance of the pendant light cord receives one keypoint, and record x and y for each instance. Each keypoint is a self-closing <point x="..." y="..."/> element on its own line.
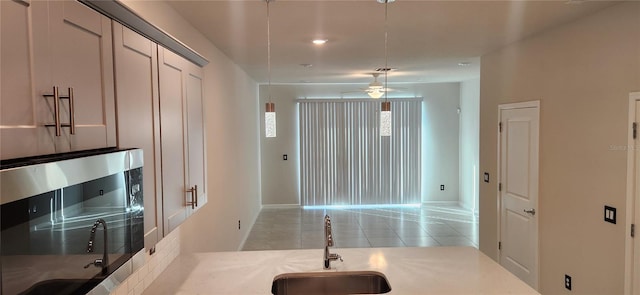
<point x="386" y="50"/>
<point x="268" y="51"/>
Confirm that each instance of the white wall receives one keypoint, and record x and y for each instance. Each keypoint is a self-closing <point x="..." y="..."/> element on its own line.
<point x="469" y="143"/>
<point x="582" y="73"/>
<point x="280" y="183"/>
<point x="440" y="142"/>
<point x="233" y="158"/>
<point x="440" y="131"/>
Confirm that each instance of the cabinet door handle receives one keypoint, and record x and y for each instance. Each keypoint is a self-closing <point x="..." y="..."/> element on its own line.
<point x="192" y="191"/>
<point x="56" y="111"/>
<point x="72" y="113"/>
<point x="196" y="194"/>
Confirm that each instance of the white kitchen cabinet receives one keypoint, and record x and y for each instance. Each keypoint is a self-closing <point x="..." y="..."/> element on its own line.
<point x="21" y="131"/>
<point x="138" y="109"/>
<point x="182" y="132"/>
<point x="47" y="44"/>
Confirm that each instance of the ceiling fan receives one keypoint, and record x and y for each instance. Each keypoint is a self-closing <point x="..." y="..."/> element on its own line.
<point x="375" y="89"/>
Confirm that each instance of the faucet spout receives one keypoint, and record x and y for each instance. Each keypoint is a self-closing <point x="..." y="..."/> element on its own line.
<point x="104" y="262"/>
<point x="328" y="238"/>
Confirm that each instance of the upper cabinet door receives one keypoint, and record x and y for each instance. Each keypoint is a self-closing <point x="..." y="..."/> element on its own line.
<point x="47" y="44"/>
<point x="182" y="132"/>
<point x="81" y="58"/>
<point x="196" y="134"/>
<point x="138" y="124"/>
<point x="21" y="130"/>
<point x="175" y="188"/>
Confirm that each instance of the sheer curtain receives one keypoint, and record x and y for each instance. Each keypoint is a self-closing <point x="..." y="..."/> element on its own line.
<point x="344" y="161"/>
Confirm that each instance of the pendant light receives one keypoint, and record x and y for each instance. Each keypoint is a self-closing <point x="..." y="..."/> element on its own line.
<point x="385" y="106"/>
<point x="270" y="106"/>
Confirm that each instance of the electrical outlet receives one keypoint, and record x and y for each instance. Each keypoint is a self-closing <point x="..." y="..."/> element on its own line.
<point x="567" y="282"/>
<point x="284" y="157"/>
<point x="486" y="177"/>
<point x="152" y="250"/>
<point x="238" y="224"/>
<point x="442" y="187"/>
<point x="101" y="192"/>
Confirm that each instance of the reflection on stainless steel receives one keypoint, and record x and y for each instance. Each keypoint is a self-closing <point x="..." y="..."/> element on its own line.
<point x="104" y="262"/>
<point x="362" y="282"/>
<point x="24" y="182"/>
<point x="46" y="216"/>
<point x="328" y="242"/>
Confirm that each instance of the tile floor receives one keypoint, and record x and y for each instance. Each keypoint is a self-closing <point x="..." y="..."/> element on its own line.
<point x="430" y="225"/>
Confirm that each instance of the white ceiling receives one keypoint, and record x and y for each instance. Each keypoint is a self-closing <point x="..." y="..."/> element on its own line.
<point x="426" y="39"/>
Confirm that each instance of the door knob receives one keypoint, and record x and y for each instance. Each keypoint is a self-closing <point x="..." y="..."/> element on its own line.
<point x="532" y="211"/>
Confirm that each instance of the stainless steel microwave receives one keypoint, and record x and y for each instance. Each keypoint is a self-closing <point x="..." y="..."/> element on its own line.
<point x="69" y="220"/>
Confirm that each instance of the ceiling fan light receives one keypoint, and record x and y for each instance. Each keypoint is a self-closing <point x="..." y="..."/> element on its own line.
<point x="375" y="93"/>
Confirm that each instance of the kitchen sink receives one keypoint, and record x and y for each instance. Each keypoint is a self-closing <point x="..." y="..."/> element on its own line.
<point x="348" y="282"/>
<point x="62" y="286"/>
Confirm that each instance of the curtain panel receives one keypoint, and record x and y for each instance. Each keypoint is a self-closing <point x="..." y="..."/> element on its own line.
<point x="345" y="161"/>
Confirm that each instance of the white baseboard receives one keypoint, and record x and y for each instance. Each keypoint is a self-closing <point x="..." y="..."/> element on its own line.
<point x="246" y="235"/>
<point x="281" y="206"/>
<point x="427" y="203"/>
<point x="473" y="211"/>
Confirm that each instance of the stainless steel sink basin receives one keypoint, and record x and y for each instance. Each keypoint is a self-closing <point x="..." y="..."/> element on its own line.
<point x="62" y="287"/>
<point x="351" y="282"/>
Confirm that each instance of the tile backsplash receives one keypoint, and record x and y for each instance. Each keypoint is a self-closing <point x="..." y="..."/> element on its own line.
<point x="166" y="250"/>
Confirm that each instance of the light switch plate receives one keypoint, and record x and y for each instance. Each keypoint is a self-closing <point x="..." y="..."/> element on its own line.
<point x="486" y="177"/>
<point x="610" y="214"/>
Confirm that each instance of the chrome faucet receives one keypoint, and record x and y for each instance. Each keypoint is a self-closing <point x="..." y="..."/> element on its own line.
<point x="104" y="262"/>
<point x="328" y="242"/>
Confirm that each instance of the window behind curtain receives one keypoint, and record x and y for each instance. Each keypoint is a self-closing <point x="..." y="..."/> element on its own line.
<point x="344" y="161"/>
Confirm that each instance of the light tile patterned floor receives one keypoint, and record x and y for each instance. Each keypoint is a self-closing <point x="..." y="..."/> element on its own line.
<point x="430" y="225"/>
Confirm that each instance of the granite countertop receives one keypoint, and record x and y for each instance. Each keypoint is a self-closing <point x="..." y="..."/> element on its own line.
<point x="430" y="270"/>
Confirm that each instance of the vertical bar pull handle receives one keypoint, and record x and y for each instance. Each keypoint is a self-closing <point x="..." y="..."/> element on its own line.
<point x="192" y="190"/>
<point x="56" y="110"/>
<point x="196" y="195"/>
<point x="72" y="113"/>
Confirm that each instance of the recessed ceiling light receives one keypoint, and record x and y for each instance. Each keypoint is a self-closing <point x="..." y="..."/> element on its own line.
<point x="320" y="41"/>
<point x="464" y="63"/>
<point x="386" y="1"/>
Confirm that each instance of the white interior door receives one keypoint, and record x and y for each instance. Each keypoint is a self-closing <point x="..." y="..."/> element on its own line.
<point x="519" y="190"/>
<point x="635" y="273"/>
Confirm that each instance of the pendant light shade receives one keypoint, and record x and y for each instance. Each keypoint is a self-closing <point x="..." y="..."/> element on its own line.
<point x="270" y="120"/>
<point x="385" y="118"/>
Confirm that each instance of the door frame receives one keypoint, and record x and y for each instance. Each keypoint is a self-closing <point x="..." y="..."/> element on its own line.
<point x="632" y="212"/>
<point x="509" y="106"/>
